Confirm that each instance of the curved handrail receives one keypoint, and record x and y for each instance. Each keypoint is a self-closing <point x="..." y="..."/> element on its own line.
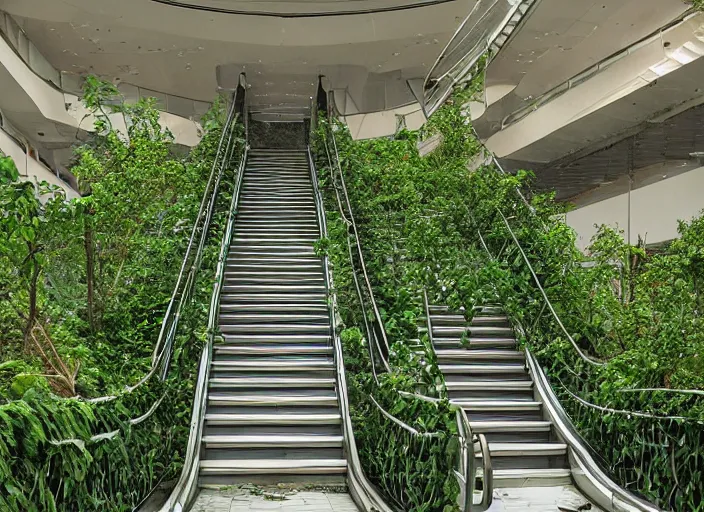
<point x="186" y="486"/>
<point x="361" y="489"/>
<point x="590" y="478"/>
<point x="584" y="357"/>
<point x="359" y="246"/>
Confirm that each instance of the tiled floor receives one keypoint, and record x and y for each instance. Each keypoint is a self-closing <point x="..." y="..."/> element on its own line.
<point x="539" y="499"/>
<point x="239" y="500"/>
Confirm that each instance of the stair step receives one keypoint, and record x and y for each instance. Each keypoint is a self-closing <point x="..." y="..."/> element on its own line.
<point x="494" y="369"/>
<point x="276" y="466"/>
<point x="275" y="317"/>
<point x="269" y="365"/>
<point x="447" y="320"/>
<point x="519" y="478"/>
<point x="473" y="331"/>
<point x="490" y="330"/>
<point x="489" y="320"/>
<point x="253" y="299"/>
<point x="273" y="288"/>
<point x="525" y="449"/>
<point x="271" y="382"/>
<point x="255" y="339"/>
<point x="274" y="308"/>
<point x="273" y="328"/>
<point x="273" y="350"/>
<point x="273" y="401"/>
<point x="272" y="419"/>
<point x="463" y="354"/>
<point x="476" y="406"/>
<point x="476" y="342"/>
<point x="490" y="385"/>
<point x="479" y="427"/>
<point x="272" y="441"/>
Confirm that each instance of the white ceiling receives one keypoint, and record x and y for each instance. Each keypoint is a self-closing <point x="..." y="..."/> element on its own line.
<point x="190" y="53"/>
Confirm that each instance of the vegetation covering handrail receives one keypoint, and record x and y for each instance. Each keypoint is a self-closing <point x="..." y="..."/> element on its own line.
<point x="163" y="348"/>
<point x="359" y="246"/>
<point x="593" y="481"/>
<point x="359" y="485"/>
<point x="186" y="486"/>
<point x="372" y="334"/>
<point x="549" y="305"/>
<point x="467" y="473"/>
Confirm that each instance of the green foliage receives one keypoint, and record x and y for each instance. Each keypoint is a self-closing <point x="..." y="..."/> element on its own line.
<point x="109" y="263"/>
<point x="419" y="220"/>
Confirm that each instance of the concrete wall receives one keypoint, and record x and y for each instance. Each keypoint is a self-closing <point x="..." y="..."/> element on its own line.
<point x="653" y="210"/>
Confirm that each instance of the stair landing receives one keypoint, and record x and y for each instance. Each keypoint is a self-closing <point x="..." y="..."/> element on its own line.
<point x="244" y="500"/>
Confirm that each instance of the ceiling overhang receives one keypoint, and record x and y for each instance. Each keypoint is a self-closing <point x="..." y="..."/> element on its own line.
<point x="299" y="8"/>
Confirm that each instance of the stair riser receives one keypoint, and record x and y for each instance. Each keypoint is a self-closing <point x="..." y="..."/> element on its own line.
<point x="528" y="462"/>
<point x="518" y="437"/>
<point x="491" y="395"/>
<point x="283" y="454"/>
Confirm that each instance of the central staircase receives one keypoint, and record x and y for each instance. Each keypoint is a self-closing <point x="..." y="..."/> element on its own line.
<point x="272" y="408"/>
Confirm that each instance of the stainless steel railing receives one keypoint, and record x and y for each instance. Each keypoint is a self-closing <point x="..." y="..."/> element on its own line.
<point x="186" y="487"/>
<point x="466" y="472"/>
<point x="374" y="328"/>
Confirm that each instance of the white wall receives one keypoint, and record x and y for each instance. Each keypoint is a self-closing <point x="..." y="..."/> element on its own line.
<point x="654" y="209"/>
<point x="29" y="168"/>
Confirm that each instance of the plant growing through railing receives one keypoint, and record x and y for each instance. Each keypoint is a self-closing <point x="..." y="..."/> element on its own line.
<point x="638" y="311"/>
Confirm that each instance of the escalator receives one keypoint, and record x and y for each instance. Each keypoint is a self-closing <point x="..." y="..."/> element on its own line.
<point x="270" y="418"/>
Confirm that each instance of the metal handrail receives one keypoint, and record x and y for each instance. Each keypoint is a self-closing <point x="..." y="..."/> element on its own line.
<point x="548" y="303"/>
<point x="592" y="480"/>
<point x="467" y="472"/>
<point x="531" y="209"/>
<point x="358" y="246"/>
<point x="359" y="486"/>
<point x="186" y="486"/>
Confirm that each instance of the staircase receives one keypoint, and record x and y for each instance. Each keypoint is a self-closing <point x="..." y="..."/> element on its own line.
<point x="487" y="376"/>
<point x="272" y="411"/>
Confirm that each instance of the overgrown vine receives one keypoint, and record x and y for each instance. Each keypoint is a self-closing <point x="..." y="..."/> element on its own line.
<point x="107" y="264"/>
<point x="638" y="311"/>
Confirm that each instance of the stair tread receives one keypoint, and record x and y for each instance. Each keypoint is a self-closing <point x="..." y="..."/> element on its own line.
<point x="508" y="425"/>
<point x="495" y="404"/>
<point x="518" y="449"/>
<point x="491" y="384"/>
<point x="278" y="418"/>
<point x="264" y="440"/>
<point x="274" y="465"/>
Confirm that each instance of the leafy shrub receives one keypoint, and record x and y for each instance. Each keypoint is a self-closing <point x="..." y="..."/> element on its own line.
<point x="107" y="268"/>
